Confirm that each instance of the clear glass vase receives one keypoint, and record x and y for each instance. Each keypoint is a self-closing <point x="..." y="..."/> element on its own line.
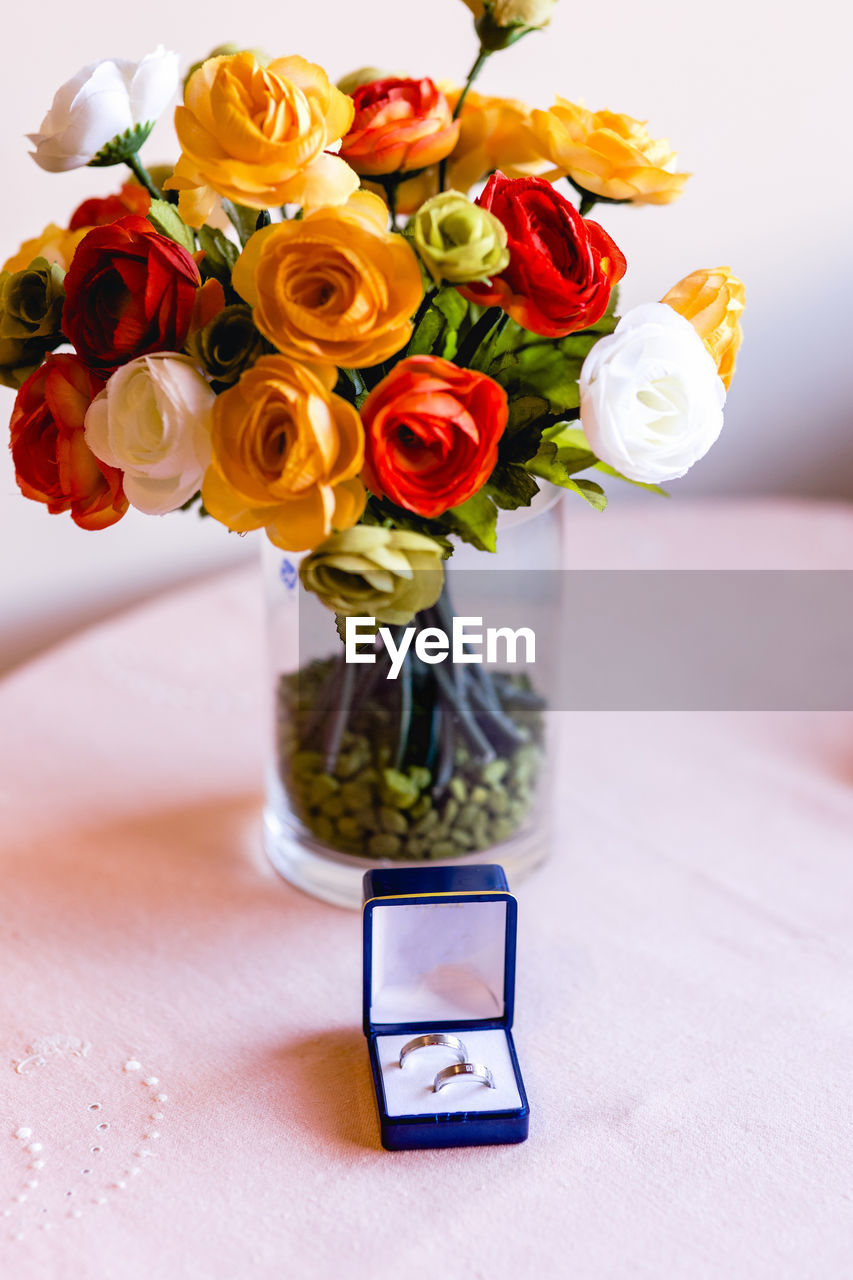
<point x="433" y="767"/>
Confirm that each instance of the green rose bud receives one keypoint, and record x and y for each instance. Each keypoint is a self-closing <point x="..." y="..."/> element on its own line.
<point x="227" y="51"/>
<point x="31" y="301"/>
<point x="30" y="315"/>
<point x="458" y="241"/>
<point x="500" y="23"/>
<point x="228" y="345"/>
<point x="366" y="75"/>
<point x="367" y="571"/>
<point x="524" y="13"/>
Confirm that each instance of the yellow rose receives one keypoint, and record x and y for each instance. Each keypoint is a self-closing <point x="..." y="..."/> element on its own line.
<point x="54" y="245"/>
<point x="259" y="136"/>
<point x="712" y="299"/>
<point x="495" y="133"/>
<point x="286" y="454"/>
<point x="334" y="287"/>
<point x="608" y="154"/>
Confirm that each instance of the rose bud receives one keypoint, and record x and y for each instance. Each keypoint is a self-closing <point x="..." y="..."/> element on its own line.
<point x="561" y="266"/>
<point x="459" y="241"/>
<point x="399" y="125"/>
<point x="651" y="398"/>
<point x="286" y="455"/>
<point x="30" y="313"/>
<point x="367" y="571"/>
<point x="713" y="301"/>
<point x="607" y="154"/>
<point x="152" y="422"/>
<point x="334" y="287"/>
<point x="432" y="432"/>
<point x="100" y="211"/>
<point x="53" y="463"/>
<point x="104" y="100"/>
<point x="129" y="291"/>
<point x="228" y="345"/>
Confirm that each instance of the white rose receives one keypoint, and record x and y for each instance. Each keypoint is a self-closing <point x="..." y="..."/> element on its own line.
<point x="152" y="421"/>
<point x="102" y="101"/>
<point x="651" y="398"/>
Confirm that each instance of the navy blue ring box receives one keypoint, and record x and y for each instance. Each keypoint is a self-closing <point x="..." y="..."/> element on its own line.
<point x="439" y="955"/>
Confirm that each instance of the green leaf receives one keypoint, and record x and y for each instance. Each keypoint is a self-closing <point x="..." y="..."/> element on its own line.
<point x="220" y="254"/>
<point x="528" y="420"/>
<point x="525" y="364"/>
<point x="243" y="219"/>
<point x="559" y="465"/>
<point x="475" y="521"/>
<point x="438" y="331"/>
<point x="566" y="436"/>
<point x="427" y="334"/>
<point x="524" y="411"/>
<point x="124" y="145"/>
<point x="589" y="491"/>
<point x="165" y="218"/>
<point x="638" y="484"/>
<point x="452" y="306"/>
<point x="510" y="486"/>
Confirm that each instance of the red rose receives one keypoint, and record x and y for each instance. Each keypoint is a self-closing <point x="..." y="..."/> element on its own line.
<point x="129" y="291"/>
<point x="53" y="463"/>
<point x="99" y="211"/>
<point x="399" y="125"/>
<point x="561" y="266"/>
<point x="432" y="434"/>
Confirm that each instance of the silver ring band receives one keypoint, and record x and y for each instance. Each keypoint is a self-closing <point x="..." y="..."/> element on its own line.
<point x="434" y="1038"/>
<point x="469" y="1070"/>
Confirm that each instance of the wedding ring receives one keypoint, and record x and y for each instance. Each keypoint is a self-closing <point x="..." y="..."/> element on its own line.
<point x="473" y="1071"/>
<point x="426" y="1042"/>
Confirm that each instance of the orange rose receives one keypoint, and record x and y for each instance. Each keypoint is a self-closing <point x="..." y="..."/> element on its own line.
<point x="53" y="463"/>
<point x="98" y="211"/>
<point x="334" y="287"/>
<point x="259" y="136"/>
<point x="712" y="300"/>
<point x="399" y="125"/>
<point x="607" y="154"/>
<point x="286" y="454"/>
<point x="494" y="133"/>
<point x="54" y="245"/>
<point x="432" y="434"/>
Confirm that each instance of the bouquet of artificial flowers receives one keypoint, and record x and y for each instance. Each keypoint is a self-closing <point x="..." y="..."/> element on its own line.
<point x="309" y="326"/>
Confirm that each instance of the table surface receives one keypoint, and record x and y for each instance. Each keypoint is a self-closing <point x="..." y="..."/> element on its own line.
<point x="184" y="1084"/>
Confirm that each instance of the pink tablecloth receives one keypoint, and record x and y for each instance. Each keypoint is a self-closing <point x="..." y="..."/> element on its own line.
<point x="184" y="1087"/>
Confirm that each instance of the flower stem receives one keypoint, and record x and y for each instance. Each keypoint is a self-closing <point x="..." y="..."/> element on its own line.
<point x="389" y="182"/>
<point x="405" y="708"/>
<point x="338" y="723"/>
<point x="143" y="177"/>
<point x="479" y="63"/>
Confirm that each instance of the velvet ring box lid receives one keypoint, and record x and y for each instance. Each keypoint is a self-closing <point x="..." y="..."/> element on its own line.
<point x="439" y="957"/>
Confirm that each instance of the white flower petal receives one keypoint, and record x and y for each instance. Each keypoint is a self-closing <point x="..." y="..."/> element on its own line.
<point x="154" y="418"/>
<point x="102" y="100"/>
<point x="651" y="398"/>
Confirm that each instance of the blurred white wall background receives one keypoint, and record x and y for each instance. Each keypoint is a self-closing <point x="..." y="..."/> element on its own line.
<point x="751" y="94"/>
